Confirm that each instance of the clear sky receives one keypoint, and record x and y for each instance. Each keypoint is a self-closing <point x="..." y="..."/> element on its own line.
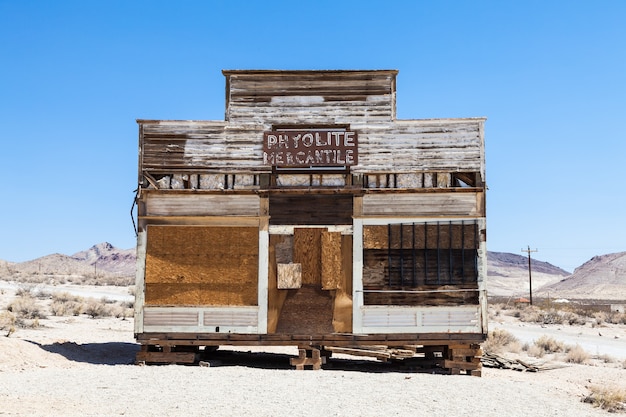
<point x="550" y="76"/>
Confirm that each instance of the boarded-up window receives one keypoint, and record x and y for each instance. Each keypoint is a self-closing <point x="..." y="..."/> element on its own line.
<point x="402" y="262"/>
<point x="191" y="265"/>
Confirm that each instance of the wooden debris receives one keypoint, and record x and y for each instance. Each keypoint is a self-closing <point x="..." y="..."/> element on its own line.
<point x="382" y="353"/>
<point x="492" y="360"/>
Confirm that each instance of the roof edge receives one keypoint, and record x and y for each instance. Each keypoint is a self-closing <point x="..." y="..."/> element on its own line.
<point x="301" y="72"/>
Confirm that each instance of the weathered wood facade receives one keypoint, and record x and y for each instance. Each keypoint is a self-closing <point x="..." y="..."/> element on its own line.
<point x="311" y="216"/>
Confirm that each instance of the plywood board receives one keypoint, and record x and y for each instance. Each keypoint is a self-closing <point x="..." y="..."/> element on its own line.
<point x="190" y="265"/>
<point x="331" y="257"/>
<point x="307" y="251"/>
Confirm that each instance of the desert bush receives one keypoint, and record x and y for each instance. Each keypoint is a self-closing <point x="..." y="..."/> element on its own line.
<point x="549" y="345"/>
<point x="7" y="322"/>
<point x="499" y="339"/>
<point x="26" y="307"/>
<point x="66" y="308"/>
<point x="65" y="297"/>
<point x="612" y="399"/>
<point x="576" y="354"/>
<point x="95" y="309"/>
<point x="25" y="291"/>
<point x="573" y="318"/>
<point x="533" y="350"/>
<point x="66" y="304"/>
<point x="606" y="358"/>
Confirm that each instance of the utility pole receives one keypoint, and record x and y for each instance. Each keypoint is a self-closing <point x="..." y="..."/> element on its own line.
<point x="530" y="277"/>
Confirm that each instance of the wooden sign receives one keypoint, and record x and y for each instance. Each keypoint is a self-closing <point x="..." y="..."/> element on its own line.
<point x="310" y="148"/>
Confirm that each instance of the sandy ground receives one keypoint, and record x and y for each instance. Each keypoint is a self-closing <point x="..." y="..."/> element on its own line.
<point x="77" y="366"/>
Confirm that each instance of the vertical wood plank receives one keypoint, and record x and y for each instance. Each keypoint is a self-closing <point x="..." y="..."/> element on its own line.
<point x="307" y="243"/>
<point x="331" y="260"/>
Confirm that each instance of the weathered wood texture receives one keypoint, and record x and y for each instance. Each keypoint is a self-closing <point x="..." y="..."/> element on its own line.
<point x="310" y="209"/>
<point x="342" y="313"/>
<point x="331" y="260"/>
<point x="275" y="297"/>
<point x="258" y="101"/>
<point x="307" y="248"/>
<point x="310" y="97"/>
<point x="439" y="296"/>
<point x="447" y="145"/>
<point x="201" y="265"/>
<point x="426" y="204"/>
<point x="186" y="204"/>
<point x="443" y="235"/>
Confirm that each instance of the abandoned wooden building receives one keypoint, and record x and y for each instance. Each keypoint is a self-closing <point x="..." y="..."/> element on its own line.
<point x="311" y="216"/>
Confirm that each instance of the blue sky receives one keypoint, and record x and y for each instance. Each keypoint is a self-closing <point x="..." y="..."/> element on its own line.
<point x="550" y="76"/>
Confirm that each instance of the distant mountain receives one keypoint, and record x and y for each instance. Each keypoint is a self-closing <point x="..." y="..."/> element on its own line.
<point x="100" y="260"/>
<point x="507" y="274"/>
<point x="106" y="257"/>
<point x="602" y="277"/>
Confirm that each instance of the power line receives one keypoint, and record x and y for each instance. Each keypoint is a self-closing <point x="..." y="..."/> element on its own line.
<point x="530" y="277"/>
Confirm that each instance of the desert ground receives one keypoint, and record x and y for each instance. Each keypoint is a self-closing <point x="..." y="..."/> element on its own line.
<point x="84" y="366"/>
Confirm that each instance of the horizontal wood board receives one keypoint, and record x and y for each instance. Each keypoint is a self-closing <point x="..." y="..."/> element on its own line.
<point x="189" y="204"/>
<point x="423" y="204"/>
<point x="386" y="145"/>
<point x="310" y="209"/>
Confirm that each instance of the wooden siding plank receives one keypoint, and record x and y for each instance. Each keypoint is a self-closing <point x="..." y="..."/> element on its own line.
<point x="192" y="204"/>
<point x="384" y="144"/>
<point x="431" y="204"/>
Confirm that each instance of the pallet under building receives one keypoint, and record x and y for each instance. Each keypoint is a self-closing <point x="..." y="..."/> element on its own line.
<point x="311" y="216"/>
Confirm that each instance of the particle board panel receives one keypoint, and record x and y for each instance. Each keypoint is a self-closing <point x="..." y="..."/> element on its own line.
<point x="289" y="276"/>
<point x="191" y="265"/>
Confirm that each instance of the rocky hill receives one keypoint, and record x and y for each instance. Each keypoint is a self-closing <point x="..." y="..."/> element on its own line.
<point x="102" y="263"/>
<point x="507" y="274"/>
<point x="602" y="277"/>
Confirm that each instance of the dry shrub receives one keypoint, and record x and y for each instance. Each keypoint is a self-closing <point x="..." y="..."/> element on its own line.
<point x="533" y="350"/>
<point x="549" y="344"/>
<point x="611" y="399"/>
<point x="106" y="308"/>
<point x="66" y="304"/>
<point x="573" y="319"/>
<point x="26" y="307"/>
<point x="576" y="354"/>
<point x="67" y="308"/>
<point x="96" y="308"/>
<point x="7" y="322"/>
<point x="25" y="291"/>
<point x="499" y="339"/>
<point x="606" y="358"/>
